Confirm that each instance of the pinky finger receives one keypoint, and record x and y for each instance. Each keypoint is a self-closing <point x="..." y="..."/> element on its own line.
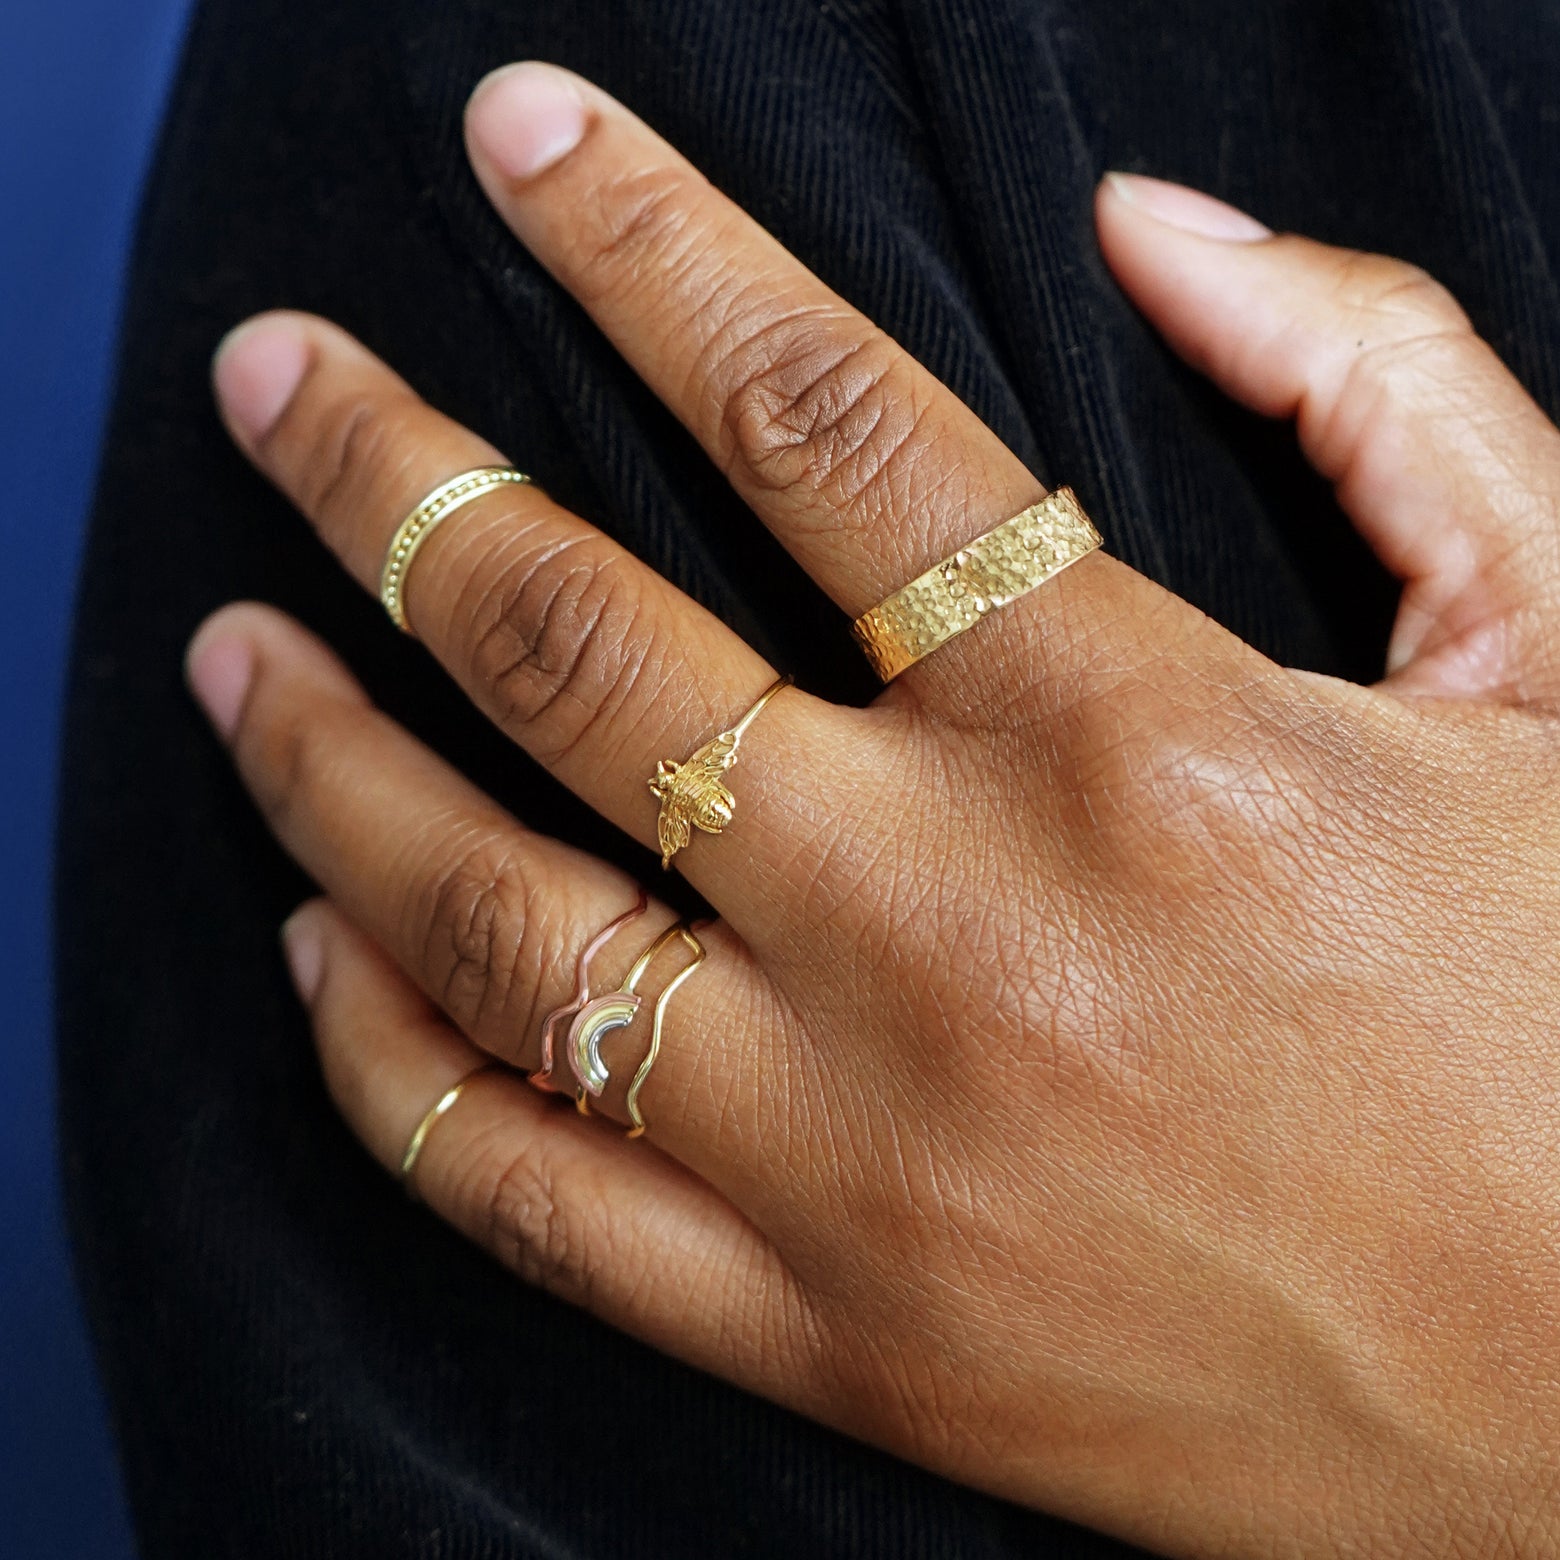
<point x="565" y="1202"/>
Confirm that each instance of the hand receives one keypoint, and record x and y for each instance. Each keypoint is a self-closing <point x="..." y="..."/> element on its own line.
<point x="1124" y="1073"/>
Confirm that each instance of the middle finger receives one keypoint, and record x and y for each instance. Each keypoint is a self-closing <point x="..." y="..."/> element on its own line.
<point x="866" y="466"/>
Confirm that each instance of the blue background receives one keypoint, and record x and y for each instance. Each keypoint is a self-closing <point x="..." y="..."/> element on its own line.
<point x="81" y="90"/>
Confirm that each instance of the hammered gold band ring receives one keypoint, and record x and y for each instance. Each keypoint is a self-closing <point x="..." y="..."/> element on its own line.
<point x="1009" y="561"/>
<point x="420" y="524"/>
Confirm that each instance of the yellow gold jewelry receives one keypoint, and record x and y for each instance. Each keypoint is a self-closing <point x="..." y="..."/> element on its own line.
<point x="1004" y="564"/>
<point x="598" y="1017"/>
<point x="418" y="526"/>
<point x="440" y="1107"/>
<point x="691" y="793"/>
<point x="634" y="1114"/>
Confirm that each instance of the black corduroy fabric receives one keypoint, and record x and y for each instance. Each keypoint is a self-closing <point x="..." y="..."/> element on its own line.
<point x="300" y="1362"/>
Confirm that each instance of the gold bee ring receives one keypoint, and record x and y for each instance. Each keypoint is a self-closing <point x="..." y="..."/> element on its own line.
<point x="418" y="526"/>
<point x="691" y="793"/>
<point x="1007" y="562"/>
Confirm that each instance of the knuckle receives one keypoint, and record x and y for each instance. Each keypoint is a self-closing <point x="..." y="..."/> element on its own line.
<point x="484" y="950"/>
<point x="1165" y="769"/>
<point x="634" y="219"/>
<point x="1412" y="348"/>
<point x="355" y="448"/>
<point x="540" y="1231"/>
<point x="288" y="755"/>
<point x="564" y="637"/>
<point x="1383" y="288"/>
<point x="805" y="403"/>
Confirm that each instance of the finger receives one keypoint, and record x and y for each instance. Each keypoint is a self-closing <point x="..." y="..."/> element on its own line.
<point x="486" y="917"/>
<point x="1443" y="460"/>
<point x="590" y="660"/>
<point x="865" y="465"/>
<point x="605" y="1224"/>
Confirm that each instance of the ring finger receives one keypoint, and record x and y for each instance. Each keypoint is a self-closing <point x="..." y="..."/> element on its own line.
<point x="485" y="916"/>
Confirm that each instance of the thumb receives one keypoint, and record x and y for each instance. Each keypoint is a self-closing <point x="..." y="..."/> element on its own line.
<point x="1437" y="453"/>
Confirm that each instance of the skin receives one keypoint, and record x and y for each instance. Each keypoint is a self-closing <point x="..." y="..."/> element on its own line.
<point x="1135" y="1092"/>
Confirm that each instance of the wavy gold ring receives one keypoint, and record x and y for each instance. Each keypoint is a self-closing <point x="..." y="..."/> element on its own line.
<point x="634" y="1114"/>
<point x="600" y="1016"/>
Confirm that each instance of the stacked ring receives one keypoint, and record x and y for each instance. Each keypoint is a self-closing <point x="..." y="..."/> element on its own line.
<point x="591" y="1019"/>
<point x="634" y="1113"/>
<point x="568" y="1011"/>
<point x="419" y="525"/>
<point x="616" y="1010"/>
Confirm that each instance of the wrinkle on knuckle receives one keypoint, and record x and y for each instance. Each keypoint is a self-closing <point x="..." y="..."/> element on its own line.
<point x="635" y="221"/>
<point x="483" y="948"/>
<point x="289" y="754"/>
<point x="539" y="1229"/>
<point x="352" y="443"/>
<point x="1393" y="309"/>
<point x="1382" y="287"/>
<point x="806" y="402"/>
<point x="1428" y="308"/>
<point x="1415" y="370"/>
<point x="566" y="636"/>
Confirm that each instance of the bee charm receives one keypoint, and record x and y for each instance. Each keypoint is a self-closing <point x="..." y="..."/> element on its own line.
<point x="692" y="794"/>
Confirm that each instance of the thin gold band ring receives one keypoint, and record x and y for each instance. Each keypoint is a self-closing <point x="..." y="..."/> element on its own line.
<point x="420" y="524"/>
<point x="692" y="794"/>
<point x="440" y="1107"/>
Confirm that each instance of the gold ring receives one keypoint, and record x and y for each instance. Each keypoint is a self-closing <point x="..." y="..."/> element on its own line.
<point x="600" y="1016"/>
<point x="440" y="1107"/>
<point x="567" y="1012"/>
<point x="1007" y="562"/>
<point x="419" y="525"/>
<point x="634" y="1114"/>
<point x="691" y="793"/>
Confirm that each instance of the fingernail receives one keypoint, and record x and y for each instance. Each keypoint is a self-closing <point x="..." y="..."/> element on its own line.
<point x="256" y="370"/>
<point x="1189" y="210"/>
<point x="525" y="118"/>
<point x="220" y="668"/>
<point x="304" y="949"/>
